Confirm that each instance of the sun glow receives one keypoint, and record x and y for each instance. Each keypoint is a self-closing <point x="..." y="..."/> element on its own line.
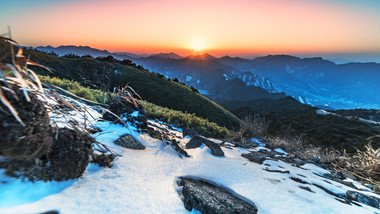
<point x="198" y="45"/>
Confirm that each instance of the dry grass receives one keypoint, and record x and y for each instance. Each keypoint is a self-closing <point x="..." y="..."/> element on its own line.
<point x="251" y="127"/>
<point x="17" y="73"/>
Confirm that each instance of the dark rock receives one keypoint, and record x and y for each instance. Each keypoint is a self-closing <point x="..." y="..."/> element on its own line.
<point x="361" y="198"/>
<point x="299" y="180"/>
<point x="127" y="141"/>
<point x="50" y="212"/>
<point x="329" y="191"/>
<point x="255" y="157"/>
<point x="261" y="155"/>
<point x="181" y="153"/>
<point x="277" y="171"/>
<point x="208" y="198"/>
<point x="189" y="132"/>
<point x="247" y="144"/>
<point x="197" y="141"/>
<point x="306" y="188"/>
<point x="215" y="148"/>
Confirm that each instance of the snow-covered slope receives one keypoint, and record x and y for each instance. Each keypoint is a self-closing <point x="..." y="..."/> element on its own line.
<point x="145" y="181"/>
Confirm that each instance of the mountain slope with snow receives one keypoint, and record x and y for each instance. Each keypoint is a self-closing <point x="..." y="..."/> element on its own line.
<point x="146" y="181"/>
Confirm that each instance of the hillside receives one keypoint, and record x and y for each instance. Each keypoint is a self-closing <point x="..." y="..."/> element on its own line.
<point x="155" y="179"/>
<point x="107" y="73"/>
<point x="289" y="119"/>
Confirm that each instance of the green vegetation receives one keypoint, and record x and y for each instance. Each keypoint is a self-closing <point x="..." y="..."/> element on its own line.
<point x="106" y="73"/>
<point x="184" y="120"/>
<point x="75" y="88"/>
<point x="203" y="126"/>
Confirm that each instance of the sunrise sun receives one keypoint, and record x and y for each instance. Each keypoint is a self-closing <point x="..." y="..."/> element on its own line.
<point x="198" y="45"/>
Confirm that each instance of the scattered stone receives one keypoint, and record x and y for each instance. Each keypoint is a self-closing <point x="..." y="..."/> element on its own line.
<point x="255" y="157"/>
<point x="127" y="141"/>
<point x="273" y="181"/>
<point x="261" y="155"/>
<point x="339" y="177"/>
<point x="277" y="171"/>
<point x="197" y="141"/>
<point x="306" y="188"/>
<point x="208" y="198"/>
<point x="329" y="192"/>
<point x="247" y="144"/>
<point x="302" y="175"/>
<point x="361" y="198"/>
<point x="298" y="180"/>
<point x="181" y="153"/>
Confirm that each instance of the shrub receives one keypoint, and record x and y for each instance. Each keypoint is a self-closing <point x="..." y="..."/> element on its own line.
<point x="185" y="120"/>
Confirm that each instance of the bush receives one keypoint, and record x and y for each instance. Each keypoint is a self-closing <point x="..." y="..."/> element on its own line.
<point x="185" y="120"/>
<point x="75" y="88"/>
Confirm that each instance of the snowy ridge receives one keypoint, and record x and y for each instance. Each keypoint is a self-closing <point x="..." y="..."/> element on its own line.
<point x="252" y="79"/>
<point x="144" y="181"/>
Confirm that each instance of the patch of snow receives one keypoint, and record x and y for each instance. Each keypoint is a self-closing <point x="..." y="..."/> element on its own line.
<point x="203" y="92"/>
<point x="258" y="141"/>
<point x="135" y="114"/>
<point x="281" y="151"/>
<point x="188" y="78"/>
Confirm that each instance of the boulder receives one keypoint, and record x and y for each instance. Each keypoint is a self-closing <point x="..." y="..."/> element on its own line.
<point x="209" y="198"/>
<point x="261" y="155"/>
<point x="255" y="157"/>
<point x="197" y="141"/>
<point x="127" y="141"/>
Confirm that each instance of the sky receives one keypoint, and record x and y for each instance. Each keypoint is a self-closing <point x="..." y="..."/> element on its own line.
<point x="335" y="28"/>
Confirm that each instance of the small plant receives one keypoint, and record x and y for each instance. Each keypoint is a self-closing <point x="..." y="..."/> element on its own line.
<point x="251" y="127"/>
<point x="367" y="162"/>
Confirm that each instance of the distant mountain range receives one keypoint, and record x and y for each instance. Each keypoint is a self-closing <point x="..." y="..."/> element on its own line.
<point x="313" y="81"/>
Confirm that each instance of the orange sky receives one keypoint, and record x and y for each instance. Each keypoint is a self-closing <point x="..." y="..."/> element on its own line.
<point x="219" y="26"/>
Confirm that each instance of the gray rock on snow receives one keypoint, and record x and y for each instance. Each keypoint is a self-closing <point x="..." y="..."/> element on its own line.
<point x="255" y="157"/>
<point x="261" y="155"/>
<point x="197" y="141"/>
<point x="127" y="141"/>
<point x="364" y="199"/>
<point x="208" y="198"/>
